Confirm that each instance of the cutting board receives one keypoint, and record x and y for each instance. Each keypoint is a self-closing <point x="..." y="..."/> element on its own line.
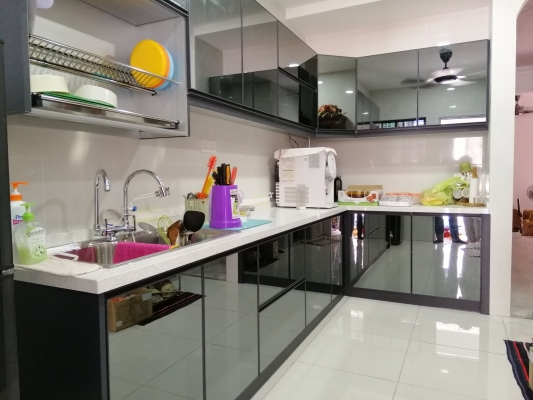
<point x="251" y="223"/>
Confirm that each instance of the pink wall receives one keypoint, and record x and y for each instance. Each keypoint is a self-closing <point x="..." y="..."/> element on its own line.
<point x="523" y="161"/>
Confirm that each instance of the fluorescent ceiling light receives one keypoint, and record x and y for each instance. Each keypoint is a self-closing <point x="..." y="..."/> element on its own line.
<point x="451" y="88"/>
<point x="320" y="82"/>
<point x="365" y="113"/>
<point x="453" y="106"/>
<point x="293" y="65"/>
<point x="349" y="91"/>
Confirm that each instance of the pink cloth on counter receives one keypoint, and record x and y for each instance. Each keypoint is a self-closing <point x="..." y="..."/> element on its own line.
<point x="126" y="251"/>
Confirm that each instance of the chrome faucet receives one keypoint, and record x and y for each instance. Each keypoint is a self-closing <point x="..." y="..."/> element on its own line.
<point x="162" y="191"/>
<point x="97" y="228"/>
<point x="110" y="231"/>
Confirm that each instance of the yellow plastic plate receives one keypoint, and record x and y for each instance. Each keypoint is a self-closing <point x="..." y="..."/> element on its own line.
<point x="152" y="57"/>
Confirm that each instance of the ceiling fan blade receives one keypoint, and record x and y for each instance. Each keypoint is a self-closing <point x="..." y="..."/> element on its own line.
<point x="449" y="71"/>
<point x="460" y="82"/>
<point x="410" y="81"/>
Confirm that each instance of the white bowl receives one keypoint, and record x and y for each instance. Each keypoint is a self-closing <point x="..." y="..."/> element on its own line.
<point x="97" y="93"/>
<point x="48" y="83"/>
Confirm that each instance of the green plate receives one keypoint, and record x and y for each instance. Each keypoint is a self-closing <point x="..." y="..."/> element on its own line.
<point x="79" y="99"/>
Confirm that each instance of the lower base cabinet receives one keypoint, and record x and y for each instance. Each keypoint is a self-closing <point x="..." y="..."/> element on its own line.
<point x="209" y="334"/>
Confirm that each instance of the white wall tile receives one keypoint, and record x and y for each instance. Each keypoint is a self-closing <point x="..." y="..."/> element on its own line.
<point x="60" y="160"/>
<point x="405" y="163"/>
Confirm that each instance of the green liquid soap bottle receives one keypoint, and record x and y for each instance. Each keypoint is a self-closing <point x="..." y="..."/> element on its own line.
<point x="30" y="239"/>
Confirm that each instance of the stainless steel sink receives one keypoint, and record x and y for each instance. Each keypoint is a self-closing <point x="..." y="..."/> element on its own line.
<point x="102" y="252"/>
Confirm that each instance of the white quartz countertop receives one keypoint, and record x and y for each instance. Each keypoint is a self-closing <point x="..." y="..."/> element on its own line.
<point x="452" y="209"/>
<point x="283" y="219"/>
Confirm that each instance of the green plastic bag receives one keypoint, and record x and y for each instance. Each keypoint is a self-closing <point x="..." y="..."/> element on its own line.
<point x="442" y="193"/>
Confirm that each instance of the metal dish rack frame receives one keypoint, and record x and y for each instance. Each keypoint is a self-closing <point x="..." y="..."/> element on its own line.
<point x="47" y="53"/>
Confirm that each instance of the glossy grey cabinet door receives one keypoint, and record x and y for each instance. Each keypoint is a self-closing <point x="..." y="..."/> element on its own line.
<point x="386" y="259"/>
<point x="388" y="83"/>
<point x="215" y="32"/>
<point x="337" y="86"/>
<point x="166" y="352"/>
<point x="449" y="269"/>
<point x="259" y="57"/>
<point x="274" y="267"/>
<point x="453" y="86"/>
<point x="318" y="268"/>
<point x="231" y="331"/>
<point x="280" y="323"/>
<point x="296" y="57"/>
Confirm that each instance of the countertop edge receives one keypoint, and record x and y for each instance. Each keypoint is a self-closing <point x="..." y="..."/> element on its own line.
<point x="283" y="219"/>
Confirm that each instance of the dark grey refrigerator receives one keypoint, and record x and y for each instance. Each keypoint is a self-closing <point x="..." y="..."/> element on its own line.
<point x="9" y="382"/>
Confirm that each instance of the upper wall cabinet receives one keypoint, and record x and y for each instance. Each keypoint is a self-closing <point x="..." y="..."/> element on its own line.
<point x="337" y="93"/>
<point x="296" y="57"/>
<point x="384" y="99"/>
<point x="260" y="58"/>
<point x="91" y="42"/>
<point x="453" y="86"/>
<point x="216" y="48"/>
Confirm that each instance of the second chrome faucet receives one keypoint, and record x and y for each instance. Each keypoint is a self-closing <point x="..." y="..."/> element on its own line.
<point x="110" y="231"/>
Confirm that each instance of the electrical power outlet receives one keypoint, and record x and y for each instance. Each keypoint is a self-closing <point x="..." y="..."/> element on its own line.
<point x="209" y="146"/>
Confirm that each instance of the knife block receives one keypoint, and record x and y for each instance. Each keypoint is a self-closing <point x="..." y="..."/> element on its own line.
<point x="224" y="207"/>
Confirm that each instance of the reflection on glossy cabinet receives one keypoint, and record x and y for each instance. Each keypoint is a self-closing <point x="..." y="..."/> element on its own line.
<point x="216" y="48"/>
<point x="296" y="57"/>
<point x="318" y="268"/>
<point x="166" y="352"/>
<point x="388" y="100"/>
<point x="383" y="256"/>
<point x="451" y="268"/>
<point x="337" y="83"/>
<point x="280" y="323"/>
<point x="453" y="85"/>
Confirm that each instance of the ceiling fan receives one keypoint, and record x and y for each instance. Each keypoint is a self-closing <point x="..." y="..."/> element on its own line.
<point x="444" y="76"/>
<point x="518" y="109"/>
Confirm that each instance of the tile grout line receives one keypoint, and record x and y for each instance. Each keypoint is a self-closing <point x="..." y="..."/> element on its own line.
<point x="278" y="381"/>
<point x="407" y="351"/>
<point x="443" y="391"/>
<point x="342" y="370"/>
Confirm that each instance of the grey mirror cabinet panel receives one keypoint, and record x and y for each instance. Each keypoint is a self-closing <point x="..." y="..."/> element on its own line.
<point x="215" y="34"/>
<point x="386" y="101"/>
<point x="243" y="55"/>
<point x="453" y="84"/>
<point x="337" y="82"/>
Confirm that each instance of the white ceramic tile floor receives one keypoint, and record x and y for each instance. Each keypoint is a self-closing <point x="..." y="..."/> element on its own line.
<point x="449" y="355"/>
<point x="363" y="349"/>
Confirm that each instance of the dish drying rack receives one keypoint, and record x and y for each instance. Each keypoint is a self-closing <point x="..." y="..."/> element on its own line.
<point x="50" y="54"/>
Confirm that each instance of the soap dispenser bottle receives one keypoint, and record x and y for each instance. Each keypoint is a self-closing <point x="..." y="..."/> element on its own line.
<point x="17" y="210"/>
<point x="30" y="239"/>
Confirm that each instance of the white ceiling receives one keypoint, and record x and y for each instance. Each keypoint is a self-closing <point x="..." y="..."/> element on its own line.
<point x="317" y="17"/>
<point x="524" y="42"/>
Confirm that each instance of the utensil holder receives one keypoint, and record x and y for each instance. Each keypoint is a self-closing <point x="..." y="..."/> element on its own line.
<point x="201" y="205"/>
<point x="224" y="207"/>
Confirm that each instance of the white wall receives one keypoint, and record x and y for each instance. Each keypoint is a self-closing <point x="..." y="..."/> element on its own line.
<point x="405" y="163"/>
<point x="523" y="160"/>
<point x="501" y="149"/>
<point x="464" y="26"/>
<point x="60" y="160"/>
<point x="524" y="79"/>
